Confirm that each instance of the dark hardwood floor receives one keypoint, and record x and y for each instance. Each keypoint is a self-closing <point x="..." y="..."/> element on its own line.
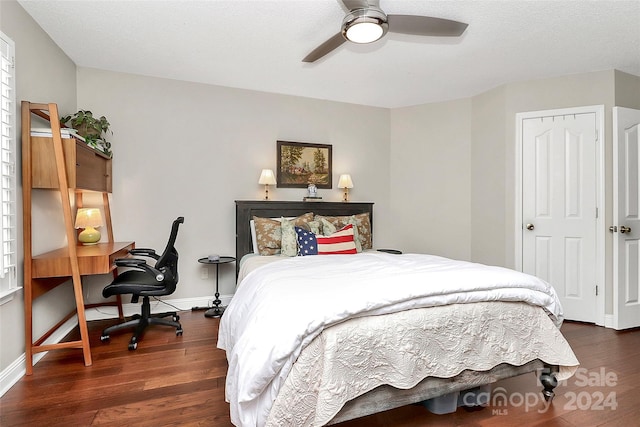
<point x="179" y="381"/>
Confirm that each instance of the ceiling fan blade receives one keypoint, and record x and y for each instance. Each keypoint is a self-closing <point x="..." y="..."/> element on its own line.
<point x="325" y="48"/>
<point x="425" y="26"/>
<point x="355" y="4"/>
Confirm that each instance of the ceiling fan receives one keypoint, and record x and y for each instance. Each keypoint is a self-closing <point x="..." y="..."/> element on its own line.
<point x="366" y="23"/>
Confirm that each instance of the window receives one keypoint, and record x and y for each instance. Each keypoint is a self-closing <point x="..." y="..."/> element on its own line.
<point x="8" y="226"/>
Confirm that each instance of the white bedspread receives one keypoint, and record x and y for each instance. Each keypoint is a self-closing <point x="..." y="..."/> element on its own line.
<point x="281" y="307"/>
<point x="358" y="355"/>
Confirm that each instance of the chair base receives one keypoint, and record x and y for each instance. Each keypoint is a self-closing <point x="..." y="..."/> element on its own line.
<point x="140" y="322"/>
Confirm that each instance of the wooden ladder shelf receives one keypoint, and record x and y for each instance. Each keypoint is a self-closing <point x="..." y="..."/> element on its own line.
<point x="46" y="271"/>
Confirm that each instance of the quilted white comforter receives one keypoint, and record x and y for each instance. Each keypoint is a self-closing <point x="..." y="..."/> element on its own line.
<point x="401" y="349"/>
<point x="281" y="307"/>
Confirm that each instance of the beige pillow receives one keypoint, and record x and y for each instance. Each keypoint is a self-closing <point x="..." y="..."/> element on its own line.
<point x="269" y="232"/>
<point x="327" y="226"/>
<point x="356" y="234"/>
<point x="315" y="227"/>
<point x="289" y="246"/>
<point x="268" y="235"/>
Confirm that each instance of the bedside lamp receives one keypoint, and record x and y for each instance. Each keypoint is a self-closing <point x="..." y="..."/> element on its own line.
<point x="346" y="183"/>
<point x="88" y="218"/>
<point x="267" y="178"/>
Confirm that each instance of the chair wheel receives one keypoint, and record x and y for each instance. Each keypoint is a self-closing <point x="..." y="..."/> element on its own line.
<point x="133" y="345"/>
<point x="179" y="332"/>
<point x="176" y="318"/>
<point x="104" y="338"/>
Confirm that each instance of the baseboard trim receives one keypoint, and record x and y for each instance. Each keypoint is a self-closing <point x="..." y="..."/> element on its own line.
<point x="157" y="306"/>
<point x="16" y="370"/>
<point x="12" y="374"/>
<point x="609" y="321"/>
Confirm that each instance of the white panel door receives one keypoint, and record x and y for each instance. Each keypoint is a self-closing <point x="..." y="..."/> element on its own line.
<point x="626" y="213"/>
<point x="559" y="208"/>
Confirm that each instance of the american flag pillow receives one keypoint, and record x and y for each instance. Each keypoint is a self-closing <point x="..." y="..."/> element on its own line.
<point x="340" y="242"/>
<point x="307" y="244"/>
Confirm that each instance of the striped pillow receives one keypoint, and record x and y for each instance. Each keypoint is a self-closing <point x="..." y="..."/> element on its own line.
<point x="339" y="243"/>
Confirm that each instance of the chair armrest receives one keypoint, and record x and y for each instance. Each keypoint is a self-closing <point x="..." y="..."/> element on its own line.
<point x="151" y="253"/>
<point x="130" y="262"/>
<point x="140" y="264"/>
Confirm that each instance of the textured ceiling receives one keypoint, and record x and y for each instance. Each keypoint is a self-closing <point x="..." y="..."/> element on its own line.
<point x="259" y="44"/>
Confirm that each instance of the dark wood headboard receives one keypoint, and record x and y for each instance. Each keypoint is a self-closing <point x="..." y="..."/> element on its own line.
<point x="247" y="209"/>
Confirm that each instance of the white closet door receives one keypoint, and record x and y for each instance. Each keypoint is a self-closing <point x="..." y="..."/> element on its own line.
<point x="626" y="213"/>
<point x="559" y="208"/>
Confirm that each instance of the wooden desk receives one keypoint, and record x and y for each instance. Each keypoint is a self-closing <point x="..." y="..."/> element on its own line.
<point x="53" y="268"/>
<point x="92" y="259"/>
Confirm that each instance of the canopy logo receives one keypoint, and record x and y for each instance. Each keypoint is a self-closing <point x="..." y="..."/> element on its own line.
<point x="500" y="400"/>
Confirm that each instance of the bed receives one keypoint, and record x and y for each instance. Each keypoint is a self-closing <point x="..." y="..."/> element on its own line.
<point x="316" y="340"/>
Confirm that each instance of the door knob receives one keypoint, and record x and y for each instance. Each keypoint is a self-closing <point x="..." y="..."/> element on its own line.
<point x="530" y="226"/>
<point x="624" y="229"/>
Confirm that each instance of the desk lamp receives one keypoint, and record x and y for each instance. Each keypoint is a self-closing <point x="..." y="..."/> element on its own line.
<point x="267" y="178"/>
<point x="346" y="183"/>
<point x="88" y="218"/>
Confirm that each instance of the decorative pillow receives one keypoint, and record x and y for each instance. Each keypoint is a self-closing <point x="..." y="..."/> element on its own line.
<point x="268" y="235"/>
<point x="315" y="227"/>
<point x="356" y="235"/>
<point x="328" y="229"/>
<point x="362" y="223"/>
<point x="307" y="244"/>
<point x="289" y="245"/>
<point x="269" y="232"/>
<point x="339" y="243"/>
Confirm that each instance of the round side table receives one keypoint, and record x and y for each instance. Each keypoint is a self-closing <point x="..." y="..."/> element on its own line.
<point x="217" y="310"/>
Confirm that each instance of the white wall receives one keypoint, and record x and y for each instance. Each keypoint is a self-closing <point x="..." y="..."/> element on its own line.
<point x="192" y="149"/>
<point x="627" y="88"/>
<point x="488" y="178"/>
<point x="430" y="178"/>
<point x="43" y="74"/>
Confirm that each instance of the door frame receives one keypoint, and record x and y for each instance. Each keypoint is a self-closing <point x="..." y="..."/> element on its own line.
<point x="598" y="110"/>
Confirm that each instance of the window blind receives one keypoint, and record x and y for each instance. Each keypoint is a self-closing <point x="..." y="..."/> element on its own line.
<point x="8" y="185"/>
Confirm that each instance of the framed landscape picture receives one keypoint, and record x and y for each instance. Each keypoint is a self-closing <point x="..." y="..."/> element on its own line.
<point x="301" y="164"/>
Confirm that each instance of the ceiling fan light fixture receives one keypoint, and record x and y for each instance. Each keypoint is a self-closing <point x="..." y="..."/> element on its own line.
<point x="364" y="25"/>
<point x="364" y="32"/>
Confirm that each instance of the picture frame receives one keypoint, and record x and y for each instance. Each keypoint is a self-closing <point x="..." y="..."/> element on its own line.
<point x="300" y="164"/>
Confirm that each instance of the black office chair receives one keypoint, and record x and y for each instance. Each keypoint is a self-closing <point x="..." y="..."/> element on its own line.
<point x="145" y="281"/>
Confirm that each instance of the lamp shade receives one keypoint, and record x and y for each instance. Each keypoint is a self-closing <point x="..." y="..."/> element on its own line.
<point x="345" y="181"/>
<point x="267" y="177"/>
<point x="88" y="217"/>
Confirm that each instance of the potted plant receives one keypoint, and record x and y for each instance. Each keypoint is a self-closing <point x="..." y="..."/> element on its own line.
<point x="90" y="128"/>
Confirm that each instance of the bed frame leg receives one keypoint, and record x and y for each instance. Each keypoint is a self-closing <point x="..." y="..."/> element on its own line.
<point x="549" y="382"/>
